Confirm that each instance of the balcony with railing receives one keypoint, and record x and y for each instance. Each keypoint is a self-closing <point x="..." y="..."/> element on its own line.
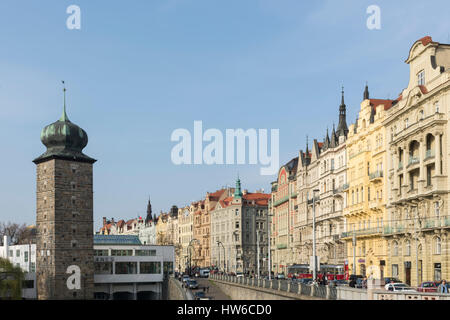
<point x="413" y="160"/>
<point x="435" y="222"/>
<point x="394" y="228"/>
<point x="423" y="224"/>
<point x="429" y="154"/>
<point x="376" y="176"/>
<point x="277" y="202"/>
<point x="363" y="232"/>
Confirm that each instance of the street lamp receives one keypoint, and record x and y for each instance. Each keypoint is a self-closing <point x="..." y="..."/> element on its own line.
<point x="314" y="236"/>
<point x="190" y="254"/>
<point x="257" y="252"/>
<point x="235" y="233"/>
<point x="416" y="233"/>
<point x="269" y="264"/>
<point x="218" y="245"/>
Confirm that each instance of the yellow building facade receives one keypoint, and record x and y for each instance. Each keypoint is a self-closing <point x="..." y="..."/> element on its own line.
<point x="365" y="212"/>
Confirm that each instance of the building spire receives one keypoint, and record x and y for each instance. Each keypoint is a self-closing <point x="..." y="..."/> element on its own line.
<point x="366" y="92"/>
<point x="237" y="191"/>
<point x="342" y="129"/>
<point x="64" y="116"/>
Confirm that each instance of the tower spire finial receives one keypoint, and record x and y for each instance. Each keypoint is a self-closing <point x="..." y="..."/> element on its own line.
<point x="366" y="92"/>
<point x="64" y="116"/>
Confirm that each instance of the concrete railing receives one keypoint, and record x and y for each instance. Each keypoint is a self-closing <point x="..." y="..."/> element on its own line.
<point x="282" y="286"/>
<point x="329" y="292"/>
<point x="387" y="295"/>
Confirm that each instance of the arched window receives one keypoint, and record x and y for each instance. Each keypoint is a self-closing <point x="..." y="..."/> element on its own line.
<point x="395" y="248"/>
<point x="407" y="248"/>
<point x="437" y="245"/>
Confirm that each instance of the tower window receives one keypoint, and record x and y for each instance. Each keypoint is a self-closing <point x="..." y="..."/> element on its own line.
<point x="421" y="78"/>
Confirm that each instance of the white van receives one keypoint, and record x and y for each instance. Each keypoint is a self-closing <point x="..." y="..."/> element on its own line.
<point x="204" y="273"/>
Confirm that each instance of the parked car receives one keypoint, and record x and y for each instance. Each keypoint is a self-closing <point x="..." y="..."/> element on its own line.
<point x="339" y="283"/>
<point x="396" y="287"/>
<point x="239" y="274"/>
<point x="307" y="281"/>
<point x="204" y="273"/>
<point x="184" y="279"/>
<point x="192" y="284"/>
<point x="427" y="286"/>
<point x="281" y="276"/>
<point x="199" y="294"/>
<point x="391" y="280"/>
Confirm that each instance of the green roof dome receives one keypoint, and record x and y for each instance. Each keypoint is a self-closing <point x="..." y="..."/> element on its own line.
<point x="64" y="140"/>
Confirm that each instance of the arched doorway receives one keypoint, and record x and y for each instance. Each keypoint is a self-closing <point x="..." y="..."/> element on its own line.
<point x="362" y="268"/>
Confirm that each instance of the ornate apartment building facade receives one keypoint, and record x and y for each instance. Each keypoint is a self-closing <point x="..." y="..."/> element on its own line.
<point x="185" y="236"/>
<point x="282" y="209"/>
<point x="366" y="193"/>
<point x="418" y="219"/>
<point x="322" y="174"/>
<point x="239" y="225"/>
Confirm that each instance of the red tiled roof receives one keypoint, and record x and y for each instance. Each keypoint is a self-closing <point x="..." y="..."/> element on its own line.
<point x="217" y="194"/>
<point x="426" y="40"/>
<point x="376" y="102"/>
<point x="256" y="196"/>
<point x="423" y="89"/>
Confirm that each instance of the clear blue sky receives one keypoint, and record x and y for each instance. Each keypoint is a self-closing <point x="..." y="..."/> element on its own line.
<point x="139" y="69"/>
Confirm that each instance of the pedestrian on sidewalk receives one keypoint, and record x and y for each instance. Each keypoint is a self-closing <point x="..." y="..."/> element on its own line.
<point x="443" y="288"/>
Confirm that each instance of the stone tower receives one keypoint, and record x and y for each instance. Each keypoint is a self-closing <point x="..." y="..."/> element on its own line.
<point x="64" y="217"/>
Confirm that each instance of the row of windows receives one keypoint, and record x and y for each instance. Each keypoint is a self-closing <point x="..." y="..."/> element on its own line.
<point x="128" y="267"/>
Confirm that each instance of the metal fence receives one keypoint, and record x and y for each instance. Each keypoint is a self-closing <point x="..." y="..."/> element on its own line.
<point x="319" y="291"/>
<point x="305" y="289"/>
<point x="275" y="284"/>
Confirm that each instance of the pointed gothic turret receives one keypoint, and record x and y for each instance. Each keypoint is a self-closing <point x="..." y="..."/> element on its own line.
<point x="334" y="140"/>
<point x="149" y="212"/>
<point x="342" y="128"/>
<point x="355" y="129"/>
<point x="366" y="92"/>
<point x="326" y="142"/>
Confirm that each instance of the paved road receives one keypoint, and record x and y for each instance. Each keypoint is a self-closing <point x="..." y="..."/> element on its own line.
<point x="214" y="292"/>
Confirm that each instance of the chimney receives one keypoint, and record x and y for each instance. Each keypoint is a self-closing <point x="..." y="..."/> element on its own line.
<point x="104" y="221"/>
<point x="112" y="220"/>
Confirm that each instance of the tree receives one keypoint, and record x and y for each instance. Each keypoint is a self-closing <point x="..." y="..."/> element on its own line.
<point x="18" y="234"/>
<point x="11" y="279"/>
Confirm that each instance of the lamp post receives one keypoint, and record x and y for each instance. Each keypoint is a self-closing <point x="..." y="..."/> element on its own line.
<point x="269" y="264"/>
<point x="416" y="233"/>
<point x="257" y="252"/>
<point x="218" y="245"/>
<point x="190" y="254"/>
<point x="314" y="235"/>
<point x="235" y="233"/>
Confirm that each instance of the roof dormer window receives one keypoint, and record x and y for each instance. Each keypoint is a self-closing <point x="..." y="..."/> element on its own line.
<point x="421" y="78"/>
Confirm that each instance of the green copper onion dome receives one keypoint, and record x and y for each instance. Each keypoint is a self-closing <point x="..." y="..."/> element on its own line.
<point x="64" y="140"/>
